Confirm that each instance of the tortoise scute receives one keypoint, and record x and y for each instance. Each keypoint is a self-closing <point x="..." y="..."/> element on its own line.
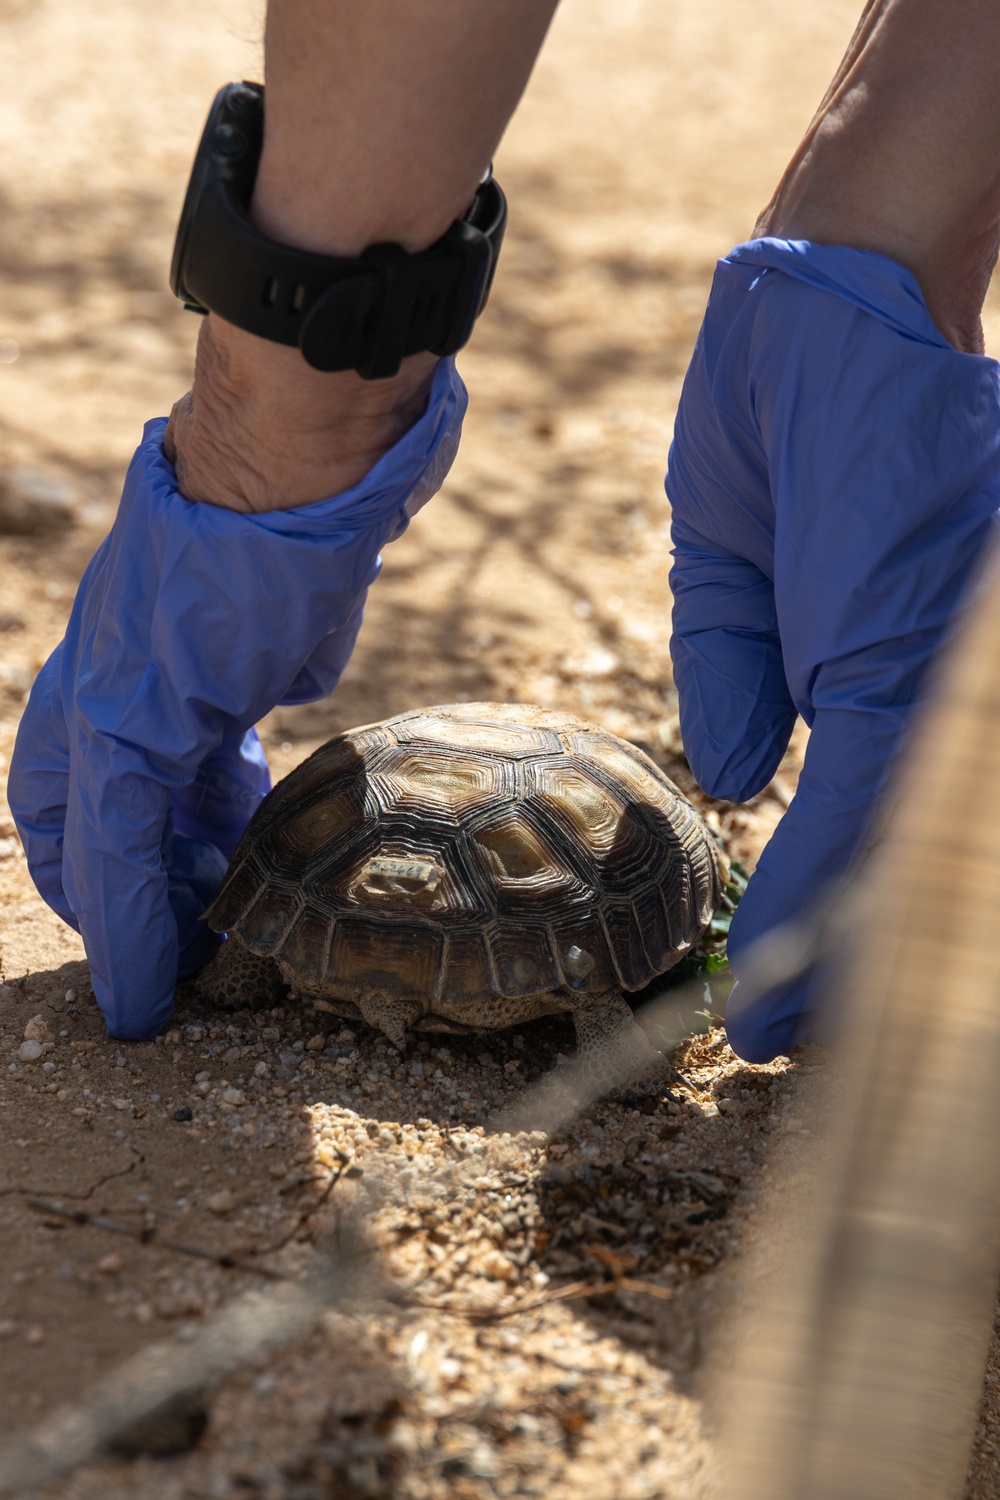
<point x="439" y="782"/>
<point x="305" y="947"/>
<point x="265" y="924"/>
<point x="471" y="865"/>
<point x="586" y="934"/>
<point x="244" y="882"/>
<point x="515" y="852"/>
<point x="626" y="945"/>
<point x="338" y="762"/>
<point x="477" y="735"/>
<point x="524" y="961"/>
<point x="321" y="824"/>
<point x="584" y="806"/>
<point x="468" y="975"/>
<point x="405" y="960"/>
<point x="651" y="915"/>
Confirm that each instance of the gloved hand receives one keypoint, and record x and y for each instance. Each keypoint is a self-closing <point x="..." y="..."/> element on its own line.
<point x="834" y="476"/>
<point x="136" y="766"/>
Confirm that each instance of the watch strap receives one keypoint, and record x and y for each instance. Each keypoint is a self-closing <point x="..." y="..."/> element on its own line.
<point x="364" y="313"/>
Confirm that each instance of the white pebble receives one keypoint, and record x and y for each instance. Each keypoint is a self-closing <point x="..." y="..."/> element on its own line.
<point x="30" y="1051"/>
<point x="234" y="1096"/>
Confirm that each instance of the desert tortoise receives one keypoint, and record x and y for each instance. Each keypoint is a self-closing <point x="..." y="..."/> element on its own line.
<point x="465" y="867"/>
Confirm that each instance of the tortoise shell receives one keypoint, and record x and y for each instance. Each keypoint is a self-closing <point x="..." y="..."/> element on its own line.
<point x="462" y="854"/>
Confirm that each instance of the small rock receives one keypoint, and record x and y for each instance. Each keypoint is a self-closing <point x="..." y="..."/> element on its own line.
<point x="175" y="1426"/>
<point x="403" y="1438"/>
<point x="183" y="1114"/>
<point x="222" y="1202"/>
<point x="234" y="1096"/>
<point x="70" y="996"/>
<point x="32" y="503"/>
<point x="346" y="1038"/>
<point x="35" y="1336"/>
<point x="597" y="662"/>
<point x="30" y="1051"/>
<point x="316" y="1043"/>
<point x="497" y="1267"/>
<point x="110" y="1265"/>
<point x="37" y="1030"/>
<point x="482" y="1462"/>
<point x="182" y="1305"/>
<point x="122" y="1103"/>
<point x="231" y="1054"/>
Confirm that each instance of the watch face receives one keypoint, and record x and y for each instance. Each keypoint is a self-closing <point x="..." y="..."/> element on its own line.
<point x="228" y="154"/>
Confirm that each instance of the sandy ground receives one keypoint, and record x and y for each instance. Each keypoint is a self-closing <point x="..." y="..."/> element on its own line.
<point x="651" y="135"/>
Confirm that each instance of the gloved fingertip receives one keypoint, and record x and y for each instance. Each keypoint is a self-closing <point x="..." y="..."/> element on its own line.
<point x="133" y="1023"/>
<point x="773" y="1024"/>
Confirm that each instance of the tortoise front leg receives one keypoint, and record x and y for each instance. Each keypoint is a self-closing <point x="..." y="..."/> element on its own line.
<point x="613" y="1050"/>
<point x="236" y="979"/>
<point x="392" y="1016"/>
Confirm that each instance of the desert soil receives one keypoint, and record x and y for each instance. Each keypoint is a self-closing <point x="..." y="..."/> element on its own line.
<point x="651" y="135"/>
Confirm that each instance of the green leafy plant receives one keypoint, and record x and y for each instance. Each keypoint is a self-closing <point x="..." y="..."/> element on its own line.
<point x="707" y="959"/>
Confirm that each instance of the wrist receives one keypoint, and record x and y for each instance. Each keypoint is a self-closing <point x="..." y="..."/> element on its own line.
<point x="261" y="430"/>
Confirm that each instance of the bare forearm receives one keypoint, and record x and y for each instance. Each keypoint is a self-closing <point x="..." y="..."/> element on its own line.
<point x="381" y="119"/>
<point x="383" y="116"/>
<point x="903" y="156"/>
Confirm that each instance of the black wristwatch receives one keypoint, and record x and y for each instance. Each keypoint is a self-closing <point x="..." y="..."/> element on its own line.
<point x="363" y="313"/>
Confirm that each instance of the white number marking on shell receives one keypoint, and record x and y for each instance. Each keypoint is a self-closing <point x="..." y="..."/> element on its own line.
<point x="399" y="877"/>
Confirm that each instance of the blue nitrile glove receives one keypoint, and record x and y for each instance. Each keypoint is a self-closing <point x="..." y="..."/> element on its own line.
<point x="834" y="476"/>
<point x="136" y="766"/>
